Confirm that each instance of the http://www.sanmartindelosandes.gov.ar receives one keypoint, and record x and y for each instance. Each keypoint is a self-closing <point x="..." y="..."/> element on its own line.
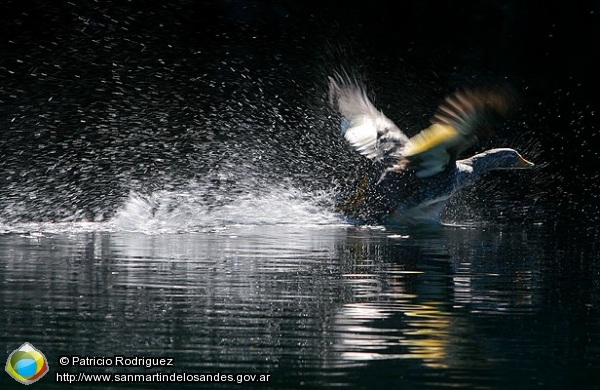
<point x="26" y="364"/>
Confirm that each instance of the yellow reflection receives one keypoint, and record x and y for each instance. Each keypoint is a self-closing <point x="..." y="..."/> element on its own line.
<point x="423" y="332"/>
<point x="427" y="334"/>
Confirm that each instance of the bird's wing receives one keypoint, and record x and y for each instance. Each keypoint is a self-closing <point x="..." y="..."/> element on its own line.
<point x="370" y="132"/>
<point x="460" y="121"/>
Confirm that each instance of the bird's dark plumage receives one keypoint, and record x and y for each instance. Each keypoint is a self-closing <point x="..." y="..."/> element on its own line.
<point x="418" y="175"/>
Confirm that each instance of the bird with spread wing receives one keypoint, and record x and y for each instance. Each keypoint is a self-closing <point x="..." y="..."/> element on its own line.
<point x="416" y="177"/>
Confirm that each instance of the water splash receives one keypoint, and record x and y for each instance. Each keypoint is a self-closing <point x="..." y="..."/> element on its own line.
<point x="168" y="211"/>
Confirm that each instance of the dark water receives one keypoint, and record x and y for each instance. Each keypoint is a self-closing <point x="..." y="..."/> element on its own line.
<point x="168" y="172"/>
<point x="313" y="305"/>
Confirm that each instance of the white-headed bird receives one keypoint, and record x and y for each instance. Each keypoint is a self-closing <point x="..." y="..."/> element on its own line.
<point x="416" y="177"/>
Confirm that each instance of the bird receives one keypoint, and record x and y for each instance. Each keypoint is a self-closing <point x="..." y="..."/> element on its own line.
<point x="411" y="179"/>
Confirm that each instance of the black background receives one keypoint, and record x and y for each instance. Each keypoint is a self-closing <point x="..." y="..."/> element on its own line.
<point x="80" y="74"/>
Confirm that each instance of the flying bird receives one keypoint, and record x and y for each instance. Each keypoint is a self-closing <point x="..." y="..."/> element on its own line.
<point x="413" y="178"/>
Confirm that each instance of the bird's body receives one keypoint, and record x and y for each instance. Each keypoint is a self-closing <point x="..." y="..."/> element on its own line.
<point x="412" y="179"/>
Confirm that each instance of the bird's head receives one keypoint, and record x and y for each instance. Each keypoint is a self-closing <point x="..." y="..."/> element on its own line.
<point x="510" y="159"/>
<point x="506" y="158"/>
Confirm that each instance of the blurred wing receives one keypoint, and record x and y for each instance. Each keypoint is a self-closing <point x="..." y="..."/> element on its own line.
<point x="370" y="132"/>
<point x="460" y="120"/>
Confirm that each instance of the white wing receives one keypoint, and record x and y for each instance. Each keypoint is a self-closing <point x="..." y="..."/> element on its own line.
<point x="370" y="132"/>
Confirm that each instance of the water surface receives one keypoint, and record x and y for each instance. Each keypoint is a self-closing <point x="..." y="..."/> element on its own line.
<point x="314" y="305"/>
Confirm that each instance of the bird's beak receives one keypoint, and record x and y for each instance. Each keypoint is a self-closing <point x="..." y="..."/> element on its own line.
<point x="525" y="164"/>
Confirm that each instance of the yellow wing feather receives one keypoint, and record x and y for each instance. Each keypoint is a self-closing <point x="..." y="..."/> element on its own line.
<point x="429" y="138"/>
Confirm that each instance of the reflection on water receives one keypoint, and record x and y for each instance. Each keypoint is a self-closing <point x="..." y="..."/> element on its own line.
<point x="313" y="305"/>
